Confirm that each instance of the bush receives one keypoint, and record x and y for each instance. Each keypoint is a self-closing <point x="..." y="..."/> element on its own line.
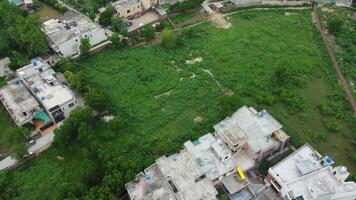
<point x="335" y="25"/>
<point x="147" y="32"/>
<point x="169" y="39"/>
<point x="333" y="127"/>
<point x="97" y="99"/>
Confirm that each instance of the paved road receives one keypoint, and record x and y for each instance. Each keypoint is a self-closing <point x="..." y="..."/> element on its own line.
<point x="341" y="78"/>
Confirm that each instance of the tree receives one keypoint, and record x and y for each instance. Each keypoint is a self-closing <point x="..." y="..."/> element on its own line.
<point x="116" y="24"/>
<point x="147" y="32"/>
<point x="17" y="60"/>
<point x="335" y="24"/>
<point x="105" y="17"/>
<point x="169" y="39"/>
<point x="14" y="140"/>
<point x="78" y="81"/>
<point x="97" y="99"/>
<point x="92" y="14"/>
<point x="116" y="41"/>
<point x="73" y="127"/>
<point x="84" y="47"/>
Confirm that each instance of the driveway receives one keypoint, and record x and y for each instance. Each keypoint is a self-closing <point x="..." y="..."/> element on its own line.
<point x="143" y="20"/>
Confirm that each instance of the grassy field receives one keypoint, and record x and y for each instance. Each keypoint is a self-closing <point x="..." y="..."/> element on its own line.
<point x="46" y="13"/>
<point x="159" y="95"/>
<point x="183" y="17"/>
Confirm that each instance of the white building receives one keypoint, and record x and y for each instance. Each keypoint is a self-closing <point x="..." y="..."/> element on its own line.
<point x="176" y="177"/>
<point x="18" y="101"/>
<point x="212" y="156"/>
<point x="256" y="134"/>
<point x="64" y="34"/>
<point x="57" y="99"/>
<point x="307" y="175"/>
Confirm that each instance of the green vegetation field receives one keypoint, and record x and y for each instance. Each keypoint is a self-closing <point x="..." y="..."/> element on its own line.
<point x="268" y="59"/>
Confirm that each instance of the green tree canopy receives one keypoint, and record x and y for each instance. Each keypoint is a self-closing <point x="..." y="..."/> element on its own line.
<point x="105" y="17"/>
<point x="169" y="39"/>
<point x="84" y="47"/>
<point x="97" y="99"/>
<point x="147" y="32"/>
<point x="14" y="140"/>
<point x="116" y="24"/>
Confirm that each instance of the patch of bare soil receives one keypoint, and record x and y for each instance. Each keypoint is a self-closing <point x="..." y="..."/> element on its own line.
<point x="198" y="119"/>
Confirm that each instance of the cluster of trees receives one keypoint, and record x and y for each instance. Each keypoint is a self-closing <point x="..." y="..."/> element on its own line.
<point x="20" y="36"/>
<point x="13" y="140"/>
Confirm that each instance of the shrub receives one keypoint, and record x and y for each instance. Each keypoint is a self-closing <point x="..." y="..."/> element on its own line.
<point x="84" y="47"/>
<point x="333" y="127"/>
<point x="335" y="24"/>
<point x="169" y="39"/>
<point x="147" y="32"/>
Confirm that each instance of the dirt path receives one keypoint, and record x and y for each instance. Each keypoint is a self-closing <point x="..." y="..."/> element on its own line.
<point x="340" y="76"/>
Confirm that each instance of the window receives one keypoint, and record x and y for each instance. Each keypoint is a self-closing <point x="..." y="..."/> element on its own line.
<point x="71" y="105"/>
<point x="24" y="113"/>
<point x="128" y="11"/>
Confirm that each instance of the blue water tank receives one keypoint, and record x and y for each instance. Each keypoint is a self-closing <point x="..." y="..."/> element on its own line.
<point x="34" y="63"/>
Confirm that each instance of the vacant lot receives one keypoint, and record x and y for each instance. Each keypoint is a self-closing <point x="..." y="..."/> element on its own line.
<point x="343" y="41"/>
<point x="160" y="92"/>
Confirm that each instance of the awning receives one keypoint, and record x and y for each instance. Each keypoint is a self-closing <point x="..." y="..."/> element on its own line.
<point x="41" y="116"/>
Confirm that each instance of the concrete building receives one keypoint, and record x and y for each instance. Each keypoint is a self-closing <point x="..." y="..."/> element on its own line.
<point x="307" y="175"/>
<point x="64" y="34"/>
<point x="176" y="177"/>
<point x="133" y="8"/>
<point x="56" y="99"/>
<point x="255" y="134"/>
<point x="19" y="103"/>
<point x="212" y="156"/>
<point x="186" y="178"/>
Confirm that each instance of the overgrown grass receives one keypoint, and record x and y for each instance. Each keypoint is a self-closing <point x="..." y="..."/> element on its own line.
<point x="243" y="59"/>
<point x="183" y="17"/>
<point x="46" y="13"/>
<point x="344" y="41"/>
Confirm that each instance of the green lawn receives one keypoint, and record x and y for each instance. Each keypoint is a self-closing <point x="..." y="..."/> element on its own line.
<point x="243" y="59"/>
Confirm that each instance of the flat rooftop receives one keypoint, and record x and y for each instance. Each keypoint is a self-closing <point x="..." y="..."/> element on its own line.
<point x="17" y="100"/>
<point x="203" y="152"/>
<point x="186" y="178"/>
<point x="322" y="182"/>
<point x="68" y="27"/>
<point x="150" y="185"/>
<point x="256" y="126"/>
<point x="40" y="78"/>
<point x="304" y="160"/>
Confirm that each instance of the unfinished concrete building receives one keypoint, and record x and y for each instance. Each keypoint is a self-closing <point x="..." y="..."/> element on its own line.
<point x="306" y="174"/>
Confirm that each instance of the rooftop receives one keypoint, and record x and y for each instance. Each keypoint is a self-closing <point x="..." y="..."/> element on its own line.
<point x="186" y="178"/>
<point x="125" y="4"/>
<point x="300" y="162"/>
<point x="234" y="184"/>
<point x="4" y="67"/>
<point x="205" y="152"/>
<point x="69" y="26"/>
<point x="40" y="78"/>
<point x="150" y="185"/>
<point x="248" y="124"/>
<point x="18" y="101"/>
<point x="322" y="182"/>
